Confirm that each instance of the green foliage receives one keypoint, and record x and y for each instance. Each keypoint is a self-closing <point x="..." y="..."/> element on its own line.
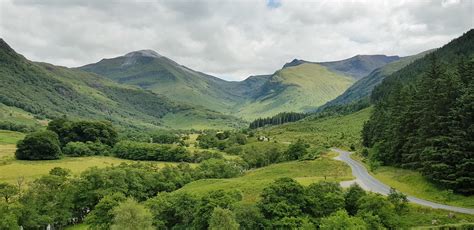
<point x="351" y="197"/>
<point x="219" y="168"/>
<point x="249" y="216"/>
<point x="103" y="214"/>
<point x="7" y="191"/>
<point x="324" y="198"/>
<point x="150" y="151"/>
<point x="61" y="172"/>
<point x="209" y="202"/>
<point x="297" y="150"/>
<point x="223" y="219"/>
<point x="398" y="199"/>
<point x="84" y="131"/>
<point x="378" y="210"/>
<point x="131" y="215"/>
<point x="173" y="210"/>
<point x="341" y="220"/>
<point x="278" y="119"/>
<point x="40" y="145"/>
<point x="423" y="114"/>
<point x="284" y="198"/>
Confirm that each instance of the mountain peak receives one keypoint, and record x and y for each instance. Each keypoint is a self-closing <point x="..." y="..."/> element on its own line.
<point x="295" y="62"/>
<point x="143" y="53"/>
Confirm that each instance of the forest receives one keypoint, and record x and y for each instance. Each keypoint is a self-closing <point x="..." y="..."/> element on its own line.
<point x="427" y="124"/>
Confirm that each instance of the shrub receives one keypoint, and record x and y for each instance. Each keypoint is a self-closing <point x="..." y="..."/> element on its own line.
<point x="77" y="149"/>
<point x="41" y="145"/>
<point x="219" y="168"/>
<point x="198" y="157"/>
<point x="150" y="151"/>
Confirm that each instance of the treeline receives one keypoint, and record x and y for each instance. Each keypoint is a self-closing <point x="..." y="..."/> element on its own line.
<point x="75" y="138"/>
<point x="427" y="123"/>
<point x="60" y="199"/>
<point x="138" y="197"/>
<point x="12" y="126"/>
<point x="278" y="119"/>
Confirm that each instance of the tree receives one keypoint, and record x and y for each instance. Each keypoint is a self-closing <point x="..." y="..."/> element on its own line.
<point x="283" y="198"/>
<point x="351" y="198"/>
<point x="341" y="220"/>
<point x="375" y="205"/>
<point x="40" y="145"/>
<point x="249" y="217"/>
<point x="207" y="204"/>
<point x="323" y="198"/>
<point x="131" y="215"/>
<point x="103" y="214"/>
<point x="223" y="219"/>
<point x="297" y="150"/>
<point x="398" y="199"/>
<point x="7" y="191"/>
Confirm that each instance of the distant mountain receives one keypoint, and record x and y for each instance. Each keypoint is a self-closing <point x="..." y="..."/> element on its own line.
<point x="295" y="88"/>
<point x="149" y="70"/>
<point x="52" y="91"/>
<point x="359" y="66"/>
<point x="299" y="86"/>
<point x="364" y="86"/>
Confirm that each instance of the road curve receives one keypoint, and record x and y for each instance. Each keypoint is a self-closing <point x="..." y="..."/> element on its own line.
<point x="368" y="182"/>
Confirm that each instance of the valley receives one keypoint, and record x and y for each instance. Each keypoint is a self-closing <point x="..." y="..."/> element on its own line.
<point x="140" y="135"/>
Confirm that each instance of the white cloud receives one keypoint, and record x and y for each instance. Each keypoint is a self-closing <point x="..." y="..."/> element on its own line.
<point x="229" y="39"/>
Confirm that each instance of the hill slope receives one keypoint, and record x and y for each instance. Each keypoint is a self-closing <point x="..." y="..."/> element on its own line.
<point x="149" y="70"/>
<point x="296" y="88"/>
<point x="52" y="91"/>
<point x="364" y="86"/>
<point x="299" y="86"/>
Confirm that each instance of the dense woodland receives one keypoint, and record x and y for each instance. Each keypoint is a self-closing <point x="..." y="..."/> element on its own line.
<point x="278" y="119"/>
<point x="423" y="117"/>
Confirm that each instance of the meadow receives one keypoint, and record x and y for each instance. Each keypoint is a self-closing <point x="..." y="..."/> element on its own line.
<point x="254" y="181"/>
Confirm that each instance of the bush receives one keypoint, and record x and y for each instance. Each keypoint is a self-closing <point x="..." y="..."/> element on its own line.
<point x="78" y="149"/>
<point x="198" y="157"/>
<point x="219" y="168"/>
<point x="41" y="145"/>
<point x="149" y="151"/>
<point x="83" y="131"/>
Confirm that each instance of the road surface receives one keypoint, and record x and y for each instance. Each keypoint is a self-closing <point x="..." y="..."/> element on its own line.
<point x="368" y="182"/>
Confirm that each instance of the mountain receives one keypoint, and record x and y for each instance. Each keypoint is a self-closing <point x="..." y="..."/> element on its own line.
<point x="53" y="91"/>
<point x="149" y="70"/>
<point x="363" y="87"/>
<point x="359" y="66"/>
<point x="296" y="88"/>
<point x="299" y="86"/>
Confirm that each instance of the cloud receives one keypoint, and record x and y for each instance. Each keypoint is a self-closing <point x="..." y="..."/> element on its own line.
<point x="229" y="39"/>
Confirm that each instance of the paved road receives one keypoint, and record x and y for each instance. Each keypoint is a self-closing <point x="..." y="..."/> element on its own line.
<point x="368" y="182"/>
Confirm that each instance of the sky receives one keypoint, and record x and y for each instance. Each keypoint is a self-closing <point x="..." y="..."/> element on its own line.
<point x="229" y="39"/>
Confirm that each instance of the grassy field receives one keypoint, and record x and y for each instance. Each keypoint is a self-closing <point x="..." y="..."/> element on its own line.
<point x="12" y="169"/>
<point x="10" y="137"/>
<point x="297" y="88"/>
<point x="340" y="131"/>
<point x="413" y="183"/>
<point x="252" y="183"/>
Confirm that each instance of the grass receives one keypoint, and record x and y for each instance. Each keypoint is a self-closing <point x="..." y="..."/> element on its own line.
<point x="253" y="182"/>
<point x="77" y="227"/>
<point x="12" y="169"/>
<point x="422" y="216"/>
<point x="336" y="131"/>
<point x="413" y="183"/>
<point x="298" y="89"/>
<point x="10" y="137"/>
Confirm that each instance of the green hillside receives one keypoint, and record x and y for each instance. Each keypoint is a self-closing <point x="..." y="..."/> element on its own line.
<point x="364" y="86"/>
<point x="149" y="70"/>
<point x="298" y="86"/>
<point x="296" y="89"/>
<point x="49" y="91"/>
